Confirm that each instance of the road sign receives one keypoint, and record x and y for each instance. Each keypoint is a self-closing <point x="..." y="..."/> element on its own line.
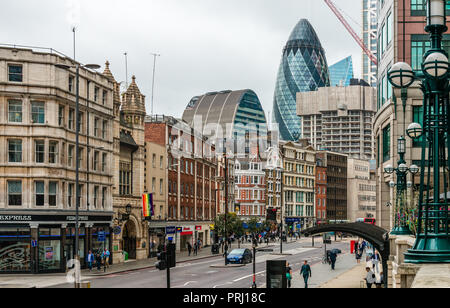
<point x="171" y="230"/>
<point x="101" y="236"/>
<point x="33" y="243"/>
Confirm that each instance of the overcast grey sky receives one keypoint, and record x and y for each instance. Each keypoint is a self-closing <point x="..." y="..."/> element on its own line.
<point x="205" y="45"/>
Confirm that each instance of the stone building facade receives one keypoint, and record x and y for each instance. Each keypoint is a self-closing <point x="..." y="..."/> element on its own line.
<point x="131" y="229"/>
<point x="299" y="177"/>
<point x="38" y="161"/>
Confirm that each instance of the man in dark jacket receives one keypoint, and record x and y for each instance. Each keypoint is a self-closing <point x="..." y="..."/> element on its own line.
<point x="333" y="257"/>
<point x="306" y="272"/>
<point x="189" y="247"/>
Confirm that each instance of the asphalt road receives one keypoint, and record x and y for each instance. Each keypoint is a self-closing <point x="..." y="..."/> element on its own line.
<point x="200" y="274"/>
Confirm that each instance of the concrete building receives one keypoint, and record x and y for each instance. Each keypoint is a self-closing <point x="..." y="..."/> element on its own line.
<point x="369" y="36"/>
<point x="361" y="190"/>
<point x="299" y="176"/>
<point x="340" y="119"/>
<point x="189" y="180"/>
<point x="38" y="161"/>
<point x="402" y="39"/>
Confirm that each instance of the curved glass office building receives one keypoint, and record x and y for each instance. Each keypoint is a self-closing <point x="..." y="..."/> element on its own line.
<point x="232" y="112"/>
<point x="303" y="68"/>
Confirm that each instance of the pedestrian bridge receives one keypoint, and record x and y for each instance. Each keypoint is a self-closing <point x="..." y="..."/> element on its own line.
<point x="375" y="235"/>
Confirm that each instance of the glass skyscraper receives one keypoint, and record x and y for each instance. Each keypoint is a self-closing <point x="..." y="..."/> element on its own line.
<point x="303" y="68"/>
<point x="341" y="72"/>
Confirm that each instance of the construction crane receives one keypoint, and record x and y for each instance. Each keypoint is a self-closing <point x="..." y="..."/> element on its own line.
<point x="352" y="32"/>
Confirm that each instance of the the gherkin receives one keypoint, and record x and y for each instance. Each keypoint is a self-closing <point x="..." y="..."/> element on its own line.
<point x="303" y="68"/>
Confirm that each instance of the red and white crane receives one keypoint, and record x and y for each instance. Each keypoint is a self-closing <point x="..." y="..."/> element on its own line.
<point x="352" y="32"/>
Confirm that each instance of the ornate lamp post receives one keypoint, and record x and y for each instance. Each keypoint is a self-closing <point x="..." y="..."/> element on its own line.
<point x="401" y="171"/>
<point x="432" y="243"/>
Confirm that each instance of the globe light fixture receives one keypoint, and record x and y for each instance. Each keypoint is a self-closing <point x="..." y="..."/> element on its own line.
<point x="401" y="75"/>
<point x="389" y="169"/>
<point x="414" y="131"/>
<point x="410" y="184"/>
<point x="436" y="13"/>
<point x="391" y="184"/>
<point x="414" y="169"/>
<point x="403" y="168"/>
<point x="436" y="65"/>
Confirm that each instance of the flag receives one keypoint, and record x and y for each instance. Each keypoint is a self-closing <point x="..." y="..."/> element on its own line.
<point x="147" y="205"/>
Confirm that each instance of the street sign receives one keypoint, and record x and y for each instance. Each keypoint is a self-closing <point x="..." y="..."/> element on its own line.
<point x="101" y="236"/>
<point x="171" y="230"/>
<point x="33" y="243"/>
<point x="117" y="230"/>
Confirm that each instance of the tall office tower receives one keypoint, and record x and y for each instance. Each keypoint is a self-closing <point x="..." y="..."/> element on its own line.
<point x="341" y="73"/>
<point x="370" y="23"/>
<point x="303" y="68"/>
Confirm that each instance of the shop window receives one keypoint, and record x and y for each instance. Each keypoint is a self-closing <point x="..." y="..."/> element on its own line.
<point x="15" y="250"/>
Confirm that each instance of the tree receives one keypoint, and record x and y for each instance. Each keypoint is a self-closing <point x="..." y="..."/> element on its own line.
<point x="234" y="224"/>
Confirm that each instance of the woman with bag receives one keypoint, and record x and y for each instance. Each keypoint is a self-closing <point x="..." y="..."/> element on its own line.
<point x="288" y="274"/>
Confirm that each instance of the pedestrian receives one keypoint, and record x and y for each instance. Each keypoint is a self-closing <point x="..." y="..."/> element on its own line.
<point x="189" y="247"/>
<point x="306" y="272"/>
<point x="380" y="281"/>
<point x="376" y="260"/>
<point x="105" y="257"/>
<point x="358" y="252"/>
<point x="288" y="274"/>
<point x="90" y="260"/>
<point x="370" y="278"/>
<point x="98" y="260"/>
<point x="195" y="248"/>
<point x="333" y="257"/>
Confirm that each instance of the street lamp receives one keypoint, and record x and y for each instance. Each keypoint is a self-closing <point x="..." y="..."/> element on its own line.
<point x="77" y="66"/>
<point x="432" y="244"/>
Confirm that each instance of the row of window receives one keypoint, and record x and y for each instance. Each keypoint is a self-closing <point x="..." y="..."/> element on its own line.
<point x="15" y="154"/>
<point x="37" y="114"/>
<point x="246" y="194"/>
<point x="47" y="193"/>
<point x="299" y="196"/>
<point x="299" y="182"/>
<point x="15" y="74"/>
<point x="257" y="180"/>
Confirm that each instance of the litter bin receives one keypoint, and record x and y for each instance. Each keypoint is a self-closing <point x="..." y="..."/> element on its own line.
<point x="125" y="256"/>
<point x="215" y="249"/>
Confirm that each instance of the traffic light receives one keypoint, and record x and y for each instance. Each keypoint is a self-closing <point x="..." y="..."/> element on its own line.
<point x="171" y="255"/>
<point x="161" y="264"/>
<point x="271" y="214"/>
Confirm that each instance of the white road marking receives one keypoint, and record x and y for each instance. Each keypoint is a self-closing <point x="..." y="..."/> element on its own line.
<point x="239" y="279"/>
<point x="222" y="284"/>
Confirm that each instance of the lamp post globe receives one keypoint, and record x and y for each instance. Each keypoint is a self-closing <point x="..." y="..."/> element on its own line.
<point x="391" y="184"/>
<point x="403" y="168"/>
<point x="414" y="169"/>
<point x="401" y="75"/>
<point x="414" y="131"/>
<point x="389" y="169"/>
<point x="436" y="65"/>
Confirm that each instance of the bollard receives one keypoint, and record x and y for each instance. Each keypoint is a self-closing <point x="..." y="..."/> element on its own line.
<point x="85" y="285"/>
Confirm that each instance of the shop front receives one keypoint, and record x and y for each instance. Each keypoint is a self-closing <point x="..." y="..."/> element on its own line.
<point x="156" y="239"/>
<point x="45" y="243"/>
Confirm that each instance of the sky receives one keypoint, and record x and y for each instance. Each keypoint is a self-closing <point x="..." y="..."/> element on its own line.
<point x="205" y="45"/>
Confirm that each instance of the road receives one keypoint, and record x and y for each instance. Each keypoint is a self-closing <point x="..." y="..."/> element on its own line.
<point x="200" y="274"/>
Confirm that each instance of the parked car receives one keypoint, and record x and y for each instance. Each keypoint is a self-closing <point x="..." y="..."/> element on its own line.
<point x="240" y="256"/>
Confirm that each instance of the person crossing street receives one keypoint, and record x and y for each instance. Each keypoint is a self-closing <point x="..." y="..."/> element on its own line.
<point x="306" y="272"/>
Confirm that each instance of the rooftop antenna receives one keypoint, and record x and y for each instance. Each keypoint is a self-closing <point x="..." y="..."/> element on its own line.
<point x="155" y="55"/>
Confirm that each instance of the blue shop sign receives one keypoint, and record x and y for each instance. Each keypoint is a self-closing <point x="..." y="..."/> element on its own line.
<point x="292" y="220"/>
<point x="171" y="230"/>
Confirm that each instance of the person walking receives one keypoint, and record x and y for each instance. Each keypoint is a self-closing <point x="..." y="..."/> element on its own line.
<point x="288" y="274"/>
<point x="105" y="257"/>
<point x="376" y="260"/>
<point x="195" y="248"/>
<point x="189" y="247"/>
<point x="98" y="260"/>
<point x="370" y="278"/>
<point x="333" y="257"/>
<point x="358" y="252"/>
<point x="306" y="272"/>
<point x="90" y="260"/>
<point x="380" y="281"/>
